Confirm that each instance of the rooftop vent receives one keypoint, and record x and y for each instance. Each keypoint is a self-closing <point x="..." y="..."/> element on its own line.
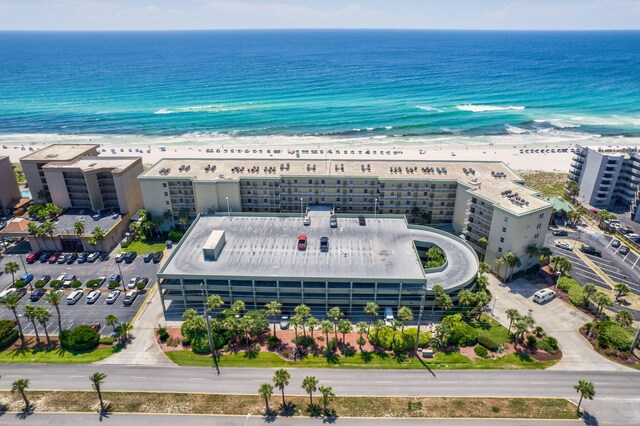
<point x="214" y="244"/>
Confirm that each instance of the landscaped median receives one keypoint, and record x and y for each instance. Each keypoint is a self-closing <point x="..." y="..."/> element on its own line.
<point x="384" y="407"/>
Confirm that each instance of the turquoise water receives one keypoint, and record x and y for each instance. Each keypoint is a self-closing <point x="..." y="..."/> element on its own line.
<point x="414" y="85"/>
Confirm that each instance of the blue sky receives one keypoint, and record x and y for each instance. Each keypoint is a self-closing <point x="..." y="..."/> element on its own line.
<point x="221" y="14"/>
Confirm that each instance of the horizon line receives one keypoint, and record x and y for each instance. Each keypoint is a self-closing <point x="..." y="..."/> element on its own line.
<point x="393" y="29"/>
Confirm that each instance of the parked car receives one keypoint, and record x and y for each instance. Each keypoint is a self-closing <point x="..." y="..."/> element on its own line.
<point x="115" y="278"/>
<point x="157" y="257"/>
<point x="45" y="278"/>
<point x="120" y="257"/>
<point x="147" y="257"/>
<point x="7" y="292"/>
<point x="44" y="257"/>
<point x="132" y="282"/>
<point x="361" y="220"/>
<point x="284" y="322"/>
<point x="144" y="280"/>
<point x="101" y="280"/>
<point x="302" y="242"/>
<point x="543" y="295"/>
<point x="306" y="221"/>
<point x="32" y="257"/>
<point x="71" y="257"/>
<point x="590" y="250"/>
<point x="560" y="233"/>
<point x="68" y="280"/>
<point x="92" y="257"/>
<point x="388" y="316"/>
<point x="615" y="242"/>
<point x="324" y="244"/>
<point x="333" y="222"/>
<point x="130" y="297"/>
<point x="624" y="250"/>
<point x="54" y="257"/>
<point x="93" y="296"/>
<point x="130" y="257"/>
<point x="112" y="297"/>
<point x="74" y="297"/>
<point x="63" y="258"/>
<point x="61" y="277"/>
<point x="27" y="278"/>
<point x="37" y="294"/>
<point x="563" y="245"/>
<point x="83" y="257"/>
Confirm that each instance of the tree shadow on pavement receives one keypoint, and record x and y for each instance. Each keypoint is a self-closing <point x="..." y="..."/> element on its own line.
<point x="589" y="419"/>
<point x="26" y="412"/>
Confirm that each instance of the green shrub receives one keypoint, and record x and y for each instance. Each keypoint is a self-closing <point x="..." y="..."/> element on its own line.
<point x="404" y="341"/>
<point x="163" y="334"/>
<point x="92" y="284"/>
<point x="532" y="341"/>
<point x="272" y="342"/>
<point x="113" y="285"/>
<point x="549" y="344"/>
<point x="39" y="284"/>
<point x="107" y="340"/>
<point x="481" y="351"/>
<point x="565" y="283"/>
<point x="55" y="284"/>
<point x="303" y="341"/>
<point x="332" y="344"/>
<point x="76" y="284"/>
<point x="175" y="235"/>
<point x="200" y="345"/>
<point x="488" y="342"/>
<point x="577" y="296"/>
<point x="611" y="335"/>
<point x="140" y="285"/>
<point x="81" y="338"/>
<point x="20" y="284"/>
<point x="462" y="334"/>
<point x="8" y="333"/>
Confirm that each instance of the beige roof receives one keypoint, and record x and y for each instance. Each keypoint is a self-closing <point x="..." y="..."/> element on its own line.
<point x="60" y="152"/>
<point x="87" y="164"/>
<point x="489" y="178"/>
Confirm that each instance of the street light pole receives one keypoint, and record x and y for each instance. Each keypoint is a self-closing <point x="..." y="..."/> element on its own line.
<point x="422" y="299"/>
<point x="375" y="210"/>
<point x="301" y="212"/>
<point x="493" y="309"/>
<point x="228" y="209"/>
<point x="24" y="265"/>
<point x="212" y="343"/>
<point x="124" y="286"/>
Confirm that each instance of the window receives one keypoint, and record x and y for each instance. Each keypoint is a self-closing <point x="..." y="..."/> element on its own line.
<point x="166" y="194"/>
<point x="504" y="229"/>
<point x="506" y="219"/>
<point x="167" y="202"/>
<point x="535" y="237"/>
<point x="499" y="249"/>
<point x="541" y="216"/>
<point x="502" y="239"/>
<point x="539" y="226"/>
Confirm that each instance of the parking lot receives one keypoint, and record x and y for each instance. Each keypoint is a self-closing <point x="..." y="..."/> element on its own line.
<point x="620" y="268"/>
<point x="80" y="312"/>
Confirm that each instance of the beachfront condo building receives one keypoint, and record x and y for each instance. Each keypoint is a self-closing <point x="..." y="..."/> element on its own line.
<point x="33" y="163"/>
<point x="485" y="202"/>
<point x="9" y="190"/>
<point x="609" y="178"/>
<point x="96" y="183"/>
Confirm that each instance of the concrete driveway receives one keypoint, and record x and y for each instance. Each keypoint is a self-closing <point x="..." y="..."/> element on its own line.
<point x="558" y="320"/>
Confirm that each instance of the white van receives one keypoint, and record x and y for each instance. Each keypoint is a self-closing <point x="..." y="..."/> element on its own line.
<point x="388" y="316"/>
<point x="543" y="295"/>
<point x="6" y="293"/>
<point x="74" y="297"/>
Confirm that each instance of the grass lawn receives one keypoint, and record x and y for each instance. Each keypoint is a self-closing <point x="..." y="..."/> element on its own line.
<point x="298" y="405"/>
<point x="54" y="356"/>
<point x="492" y="328"/>
<point x="144" y="247"/>
<point x="549" y="184"/>
<point x="441" y="361"/>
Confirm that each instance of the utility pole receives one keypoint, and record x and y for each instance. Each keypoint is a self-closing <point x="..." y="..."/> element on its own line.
<point x="422" y="299"/>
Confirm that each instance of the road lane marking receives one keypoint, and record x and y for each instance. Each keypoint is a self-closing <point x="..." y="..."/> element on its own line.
<point x="197" y="378"/>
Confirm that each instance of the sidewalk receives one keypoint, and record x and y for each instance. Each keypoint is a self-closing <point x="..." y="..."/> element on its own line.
<point x="558" y="320"/>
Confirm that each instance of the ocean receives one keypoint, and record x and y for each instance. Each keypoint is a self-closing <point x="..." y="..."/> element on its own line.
<point x="388" y="86"/>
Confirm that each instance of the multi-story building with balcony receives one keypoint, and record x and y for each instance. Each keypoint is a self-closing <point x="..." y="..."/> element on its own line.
<point x="9" y="190"/>
<point x="608" y="177"/>
<point x="33" y="164"/>
<point x="477" y="199"/>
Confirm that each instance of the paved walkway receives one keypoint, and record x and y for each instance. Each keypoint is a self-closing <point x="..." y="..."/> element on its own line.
<point x="558" y="320"/>
<point x="143" y="349"/>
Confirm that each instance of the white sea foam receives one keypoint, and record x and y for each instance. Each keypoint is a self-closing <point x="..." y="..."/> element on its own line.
<point x="513" y="130"/>
<point x="388" y="127"/>
<point x="487" y="108"/>
<point x="198" y="108"/>
<point x="558" y="123"/>
<point x="428" y="108"/>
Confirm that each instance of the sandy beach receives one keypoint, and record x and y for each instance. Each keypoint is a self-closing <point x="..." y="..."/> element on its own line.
<point x="548" y="157"/>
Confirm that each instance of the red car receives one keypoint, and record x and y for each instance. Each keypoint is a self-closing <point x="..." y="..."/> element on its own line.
<point x="302" y="242"/>
<point x="32" y="257"/>
<point x="54" y="257"/>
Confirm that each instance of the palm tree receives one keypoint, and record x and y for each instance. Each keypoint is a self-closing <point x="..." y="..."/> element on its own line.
<point x="97" y="379"/>
<point x="621" y="290"/>
<point x="482" y="281"/>
<point x="604" y="215"/>
<point x="125" y="329"/>
<point x="483" y="268"/>
<point x="564" y="266"/>
<point x="42" y="315"/>
<point x="281" y="380"/>
<point x="335" y="314"/>
<point x="78" y="227"/>
<point x="371" y="310"/>
<point x="604" y="301"/>
<point x="214" y="302"/>
<point x="586" y="389"/>
<point x="238" y="307"/>
<point x="513" y="261"/>
<point x="310" y="385"/>
<point x="312" y="324"/>
<point x="97" y="235"/>
<point x="572" y="188"/>
<point x="54" y="298"/>
<point x="512" y="315"/>
<point x="531" y="250"/>
<point x="11" y="302"/>
<point x="590" y="289"/>
<point x="499" y="262"/>
<point x="327" y="395"/>
<point x="326" y="326"/>
<point x="12" y="268"/>
<point x="30" y="314"/>
<point x="545" y="254"/>
<point x="266" y="390"/>
<point x="362" y="327"/>
<point x="273" y="310"/>
<point x="21" y="385"/>
<point x="48" y="228"/>
<point x="483" y="242"/>
<point x="111" y="321"/>
<point x="624" y="319"/>
<point x="555" y="260"/>
<point x="344" y="326"/>
<point x="304" y="312"/>
<point x="405" y="315"/>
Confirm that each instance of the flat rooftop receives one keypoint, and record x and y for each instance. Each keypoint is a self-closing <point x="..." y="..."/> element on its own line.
<point x="64" y="222"/>
<point x="60" y="152"/>
<point x="489" y="178"/>
<point x="87" y="164"/>
<point x="266" y="246"/>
